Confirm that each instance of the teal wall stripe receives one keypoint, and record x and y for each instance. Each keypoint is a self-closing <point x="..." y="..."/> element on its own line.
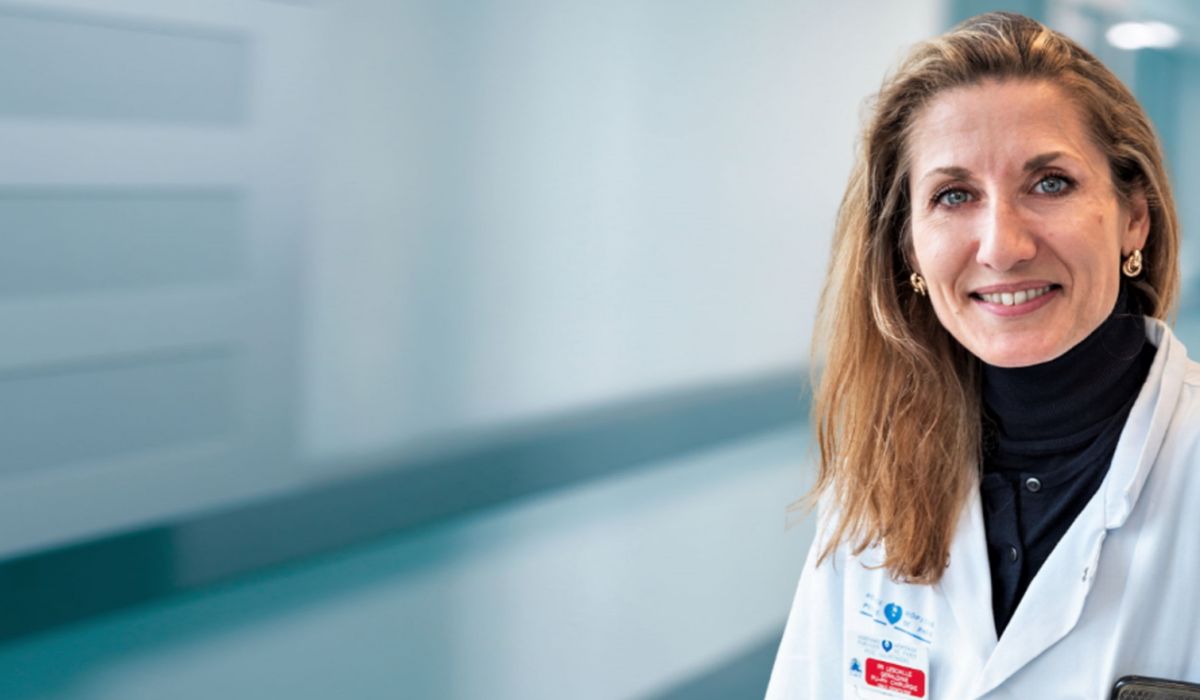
<point x="398" y="493"/>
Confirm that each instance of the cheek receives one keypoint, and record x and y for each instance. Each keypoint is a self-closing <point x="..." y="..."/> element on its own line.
<point x="1095" y="245"/>
<point x="939" y="259"/>
<point x="928" y="245"/>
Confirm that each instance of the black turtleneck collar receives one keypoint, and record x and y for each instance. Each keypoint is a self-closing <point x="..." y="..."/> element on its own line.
<point x="1049" y="435"/>
<point x="1071" y="394"/>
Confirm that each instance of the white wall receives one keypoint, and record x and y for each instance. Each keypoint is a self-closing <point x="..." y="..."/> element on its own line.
<point x="525" y="207"/>
<point x="531" y="206"/>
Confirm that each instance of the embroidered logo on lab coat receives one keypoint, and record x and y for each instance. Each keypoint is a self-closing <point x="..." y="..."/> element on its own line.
<point x="903" y="619"/>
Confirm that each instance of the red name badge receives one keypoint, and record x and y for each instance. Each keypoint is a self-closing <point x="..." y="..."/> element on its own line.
<point x="895" y="678"/>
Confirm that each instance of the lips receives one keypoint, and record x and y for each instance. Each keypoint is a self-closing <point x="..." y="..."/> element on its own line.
<point x="1014" y="298"/>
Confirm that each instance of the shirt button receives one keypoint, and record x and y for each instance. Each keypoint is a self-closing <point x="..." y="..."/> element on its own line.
<point x="1012" y="554"/>
<point x="1033" y="484"/>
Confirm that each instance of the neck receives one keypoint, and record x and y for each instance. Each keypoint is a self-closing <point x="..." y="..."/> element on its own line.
<point x="1071" y="394"/>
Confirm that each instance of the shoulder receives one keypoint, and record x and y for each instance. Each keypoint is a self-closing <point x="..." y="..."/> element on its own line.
<point x="1182" y="439"/>
<point x="810" y="651"/>
<point x="1177" y="372"/>
<point x="1176" y="455"/>
<point x="1186" y="420"/>
<point x="1191" y="376"/>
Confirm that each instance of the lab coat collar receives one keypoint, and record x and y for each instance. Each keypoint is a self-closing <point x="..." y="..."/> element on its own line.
<point x="1137" y="450"/>
<point x="1055" y="599"/>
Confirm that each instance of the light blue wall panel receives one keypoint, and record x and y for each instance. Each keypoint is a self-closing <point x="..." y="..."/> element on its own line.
<point x="63" y="415"/>
<point x="63" y="66"/>
<point x="63" y="241"/>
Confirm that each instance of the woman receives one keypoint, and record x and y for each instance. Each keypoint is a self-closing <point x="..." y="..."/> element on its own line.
<point x="1009" y="482"/>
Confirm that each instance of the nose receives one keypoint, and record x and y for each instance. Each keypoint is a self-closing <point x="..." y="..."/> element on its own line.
<point x="1005" y="238"/>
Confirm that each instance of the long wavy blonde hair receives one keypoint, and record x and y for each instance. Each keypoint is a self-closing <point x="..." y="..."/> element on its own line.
<point x="896" y="409"/>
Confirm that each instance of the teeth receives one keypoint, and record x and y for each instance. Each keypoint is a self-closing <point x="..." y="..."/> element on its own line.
<point x="1014" y="298"/>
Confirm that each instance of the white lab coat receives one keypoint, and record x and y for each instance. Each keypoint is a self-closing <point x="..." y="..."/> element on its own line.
<point x="1119" y="595"/>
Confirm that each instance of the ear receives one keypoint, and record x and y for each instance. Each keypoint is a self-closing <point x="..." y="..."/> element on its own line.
<point x="1138" y="227"/>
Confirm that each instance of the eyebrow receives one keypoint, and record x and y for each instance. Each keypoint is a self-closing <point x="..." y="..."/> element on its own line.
<point x="954" y="171"/>
<point x="960" y="173"/>
<point x="1041" y="161"/>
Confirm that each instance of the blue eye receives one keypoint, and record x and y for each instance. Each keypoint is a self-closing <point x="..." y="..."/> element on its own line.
<point x="1052" y="184"/>
<point x="952" y="198"/>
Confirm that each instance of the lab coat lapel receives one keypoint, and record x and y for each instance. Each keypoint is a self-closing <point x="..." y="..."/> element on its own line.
<point x="1053" y="602"/>
<point x="967" y="582"/>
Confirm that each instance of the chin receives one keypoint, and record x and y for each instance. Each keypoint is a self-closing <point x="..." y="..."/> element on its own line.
<point x="1010" y="362"/>
<point x="1020" y="355"/>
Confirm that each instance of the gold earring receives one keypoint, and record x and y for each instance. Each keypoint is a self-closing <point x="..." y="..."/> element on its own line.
<point x="918" y="283"/>
<point x="1132" y="267"/>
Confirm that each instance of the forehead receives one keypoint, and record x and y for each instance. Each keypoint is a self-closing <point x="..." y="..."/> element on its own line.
<point x="999" y="124"/>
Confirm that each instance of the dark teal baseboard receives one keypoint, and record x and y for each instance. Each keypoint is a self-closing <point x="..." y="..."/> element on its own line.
<point x="393" y="494"/>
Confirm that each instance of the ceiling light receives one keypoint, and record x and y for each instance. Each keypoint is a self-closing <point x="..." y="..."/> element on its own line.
<point x="1142" y="35"/>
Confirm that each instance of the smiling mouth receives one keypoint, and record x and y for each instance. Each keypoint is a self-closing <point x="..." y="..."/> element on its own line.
<point x="1015" y="298"/>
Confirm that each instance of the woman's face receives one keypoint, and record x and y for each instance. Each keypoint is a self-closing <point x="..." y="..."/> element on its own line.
<point x="1016" y="225"/>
